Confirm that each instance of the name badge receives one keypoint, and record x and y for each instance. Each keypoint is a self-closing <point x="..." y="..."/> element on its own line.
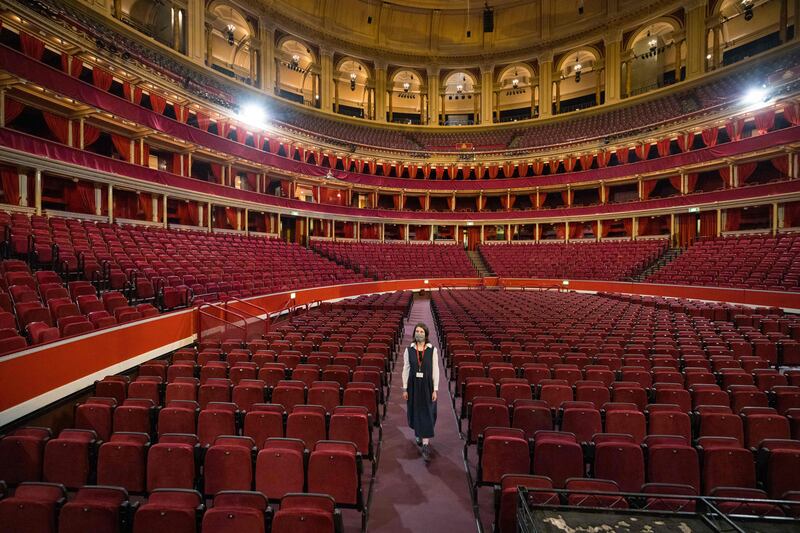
<point x="420" y="375"/>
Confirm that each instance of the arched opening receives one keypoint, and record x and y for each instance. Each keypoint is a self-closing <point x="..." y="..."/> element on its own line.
<point x="515" y="98"/>
<point x="655" y="59"/>
<point x="231" y="42"/>
<point x="460" y="100"/>
<point x="352" y="92"/>
<point x="406" y="97"/>
<point x="579" y="83"/>
<point x="747" y="28"/>
<point x="297" y="77"/>
<point x="163" y="21"/>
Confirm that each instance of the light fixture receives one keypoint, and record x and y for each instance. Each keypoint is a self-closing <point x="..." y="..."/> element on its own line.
<point x="229" y="29"/>
<point x="426" y="281"/>
<point x="565" y="283"/>
<point x="293" y="296"/>
<point x="406" y="87"/>
<point x="253" y="114"/>
<point x="747" y="8"/>
<point x="756" y="95"/>
<point x="295" y="59"/>
<point x="353" y="76"/>
<point x="515" y="83"/>
<point x="708" y="57"/>
<point x="652" y="43"/>
<point x="577" y="69"/>
<point x="459" y="88"/>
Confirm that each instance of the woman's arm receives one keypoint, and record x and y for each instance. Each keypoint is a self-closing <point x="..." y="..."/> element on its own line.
<point x="406" y="369"/>
<point x="435" y="365"/>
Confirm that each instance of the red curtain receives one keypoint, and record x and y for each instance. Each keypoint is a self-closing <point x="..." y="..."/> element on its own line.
<point x="176" y="164"/>
<point x="675" y="181"/>
<point x="710" y="136"/>
<point x="622" y="155"/>
<point x="158" y="103"/>
<point x="241" y="136"/>
<point x="586" y="161"/>
<point x="230" y="216"/>
<point x="647" y="188"/>
<point x="538" y="167"/>
<point x="603" y="158"/>
<point x="744" y="171"/>
<point x="493" y="171"/>
<point x="569" y="163"/>
<point x="102" y="78"/>
<point x="9" y="178"/>
<point x="76" y="67"/>
<point x="133" y="94"/>
<point x="122" y="145"/>
<point x="627" y="223"/>
<point x="80" y="197"/>
<point x="791" y="112"/>
<point x="216" y="172"/>
<point x="561" y="230"/>
<point x="781" y="164"/>
<point x="685" y="141"/>
<point x="645" y="225"/>
<point x="372" y="166"/>
<point x="686" y="228"/>
<point x="735" y="128"/>
<point x="663" y="147"/>
<point x="141" y="153"/>
<point x="606" y="228"/>
<point x="480" y="201"/>
<point x="203" y="122"/>
<point x="188" y="213"/>
<point x="791" y="214"/>
<point x="146" y="205"/>
<point x="733" y="219"/>
<point x="360" y="164"/>
<point x="725" y="174"/>
<point x="451" y="203"/>
<point x="423" y="233"/>
<point x="576" y="230"/>
<point x="31" y="46"/>
<point x="90" y="135"/>
<point x="252" y="180"/>
<point x="223" y="129"/>
<point x="642" y="150"/>
<point x="691" y="180"/>
<point x="765" y="120"/>
<point x="708" y="223"/>
<point x="58" y="126"/>
<point x="13" y="108"/>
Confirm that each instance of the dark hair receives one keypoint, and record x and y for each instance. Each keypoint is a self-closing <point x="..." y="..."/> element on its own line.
<point x="424" y="328"/>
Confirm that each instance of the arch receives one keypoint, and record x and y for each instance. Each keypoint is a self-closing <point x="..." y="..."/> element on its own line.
<point x="291" y="44"/>
<point x="451" y="80"/>
<point x="507" y="72"/>
<point x="405" y="74"/>
<point x="226" y="9"/>
<point x="349" y="64"/>
<point x="154" y="17"/>
<point x="662" y="27"/>
<point x="588" y="54"/>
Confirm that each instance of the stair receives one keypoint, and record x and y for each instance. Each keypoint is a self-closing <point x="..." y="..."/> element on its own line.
<point x="479" y="264"/>
<point x="665" y="259"/>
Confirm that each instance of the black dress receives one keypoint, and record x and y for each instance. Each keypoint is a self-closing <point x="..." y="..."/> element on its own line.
<point x="421" y="407"/>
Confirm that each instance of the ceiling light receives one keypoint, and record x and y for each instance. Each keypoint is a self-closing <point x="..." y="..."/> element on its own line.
<point x="229" y="29"/>
<point x="515" y="83"/>
<point x="459" y="88"/>
<point x="406" y="87"/>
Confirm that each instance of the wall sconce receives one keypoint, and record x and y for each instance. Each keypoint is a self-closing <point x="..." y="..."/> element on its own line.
<point x="229" y="29"/>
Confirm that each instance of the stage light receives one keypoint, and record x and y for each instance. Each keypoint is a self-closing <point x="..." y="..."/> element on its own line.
<point x="747" y="9"/>
<point x="253" y="114"/>
<point x="756" y="95"/>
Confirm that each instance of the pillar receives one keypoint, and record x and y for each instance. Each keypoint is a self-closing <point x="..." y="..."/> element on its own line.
<point x="597" y="86"/>
<point x="783" y="20"/>
<point x="678" y="59"/>
<point x="695" y="38"/>
<point x="613" y="64"/>
<point x="558" y="97"/>
<point x="433" y="98"/>
<point x="406" y="235"/>
<point x="37" y="191"/>
<point x="546" y="85"/>
<point x="775" y="218"/>
<point x="672" y="227"/>
<point x="487" y="73"/>
<point x="716" y="59"/>
<point x="110" y="203"/>
<point x="381" y="88"/>
<point x="3" y="108"/>
<point x="176" y="29"/>
<point x="796" y="19"/>
<point x="267" y="56"/>
<point x="719" y="222"/>
<point x="326" y="60"/>
<point x="163" y="211"/>
<point x="208" y="217"/>
<point x="200" y="210"/>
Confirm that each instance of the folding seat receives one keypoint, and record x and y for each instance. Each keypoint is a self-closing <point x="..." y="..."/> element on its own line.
<point x="569" y="373"/>
<point x="214" y="390"/>
<point x="531" y="416"/>
<point x="289" y="393"/>
<point x="725" y="464"/>
<point x="112" y="387"/>
<point x="673" y="463"/>
<point x="291" y="360"/>
<point x="668" y="419"/>
<point x="625" y="421"/>
<point x="228" y="465"/>
<point x="365" y="395"/>
<point x="213" y="370"/>
<point x="208" y="355"/>
<point x="326" y="394"/>
<point x="178" y="416"/>
<point x="708" y="395"/>
<point x="171" y="462"/>
<point x="96" y="414"/>
<point x="173" y="510"/>
<point x="735" y="377"/>
<point x="476" y="387"/>
<point x="121" y="462"/>
<point x="622" y="462"/>
<point x="501" y="451"/>
<point x="512" y="389"/>
<point x="677" y="396"/>
<point x="583" y="422"/>
<point x="629" y="392"/>
<point x="96" y="509"/>
<point x="764" y="425"/>
<point x="22" y="451"/>
<point x="271" y="373"/>
<point x="598" y="394"/>
<point x="558" y="456"/>
<point x="719" y="421"/>
<point x="306" y="373"/>
<point x="370" y="374"/>
<point x="219" y="418"/>
<point x="236" y="511"/>
<point x="306" y="513"/>
<point x="465" y="371"/>
<point x="180" y="383"/>
<point x="240" y="358"/>
<point x="483" y="412"/>
<point x="555" y="392"/>
<point x="334" y="468"/>
<point x="353" y="424"/>
<point x="599" y="373"/>
<point x="33" y="507"/>
<point x="307" y="423"/>
<point x="338" y="373"/>
<point x="501" y="370"/>
<point x="280" y="467"/>
<point x="506" y="497"/>
<point x="746" y="507"/>
<point x="247" y="393"/>
<point x="780" y="459"/>
<point x="39" y="332"/>
<point x="767" y="378"/>
<point x="637" y="375"/>
<point x="786" y="397"/>
<point x="577" y="498"/>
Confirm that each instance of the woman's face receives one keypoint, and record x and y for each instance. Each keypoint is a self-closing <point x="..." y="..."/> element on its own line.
<point x="419" y="333"/>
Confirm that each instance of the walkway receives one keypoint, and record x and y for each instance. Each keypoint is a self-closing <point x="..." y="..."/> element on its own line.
<point x="407" y="495"/>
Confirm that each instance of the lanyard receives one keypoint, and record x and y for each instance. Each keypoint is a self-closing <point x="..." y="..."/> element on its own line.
<point x="420" y="355"/>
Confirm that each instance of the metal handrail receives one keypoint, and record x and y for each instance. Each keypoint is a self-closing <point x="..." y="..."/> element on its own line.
<point x="201" y="312"/>
<point x="263" y="311"/>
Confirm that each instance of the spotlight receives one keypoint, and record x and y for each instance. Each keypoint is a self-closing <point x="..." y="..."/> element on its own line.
<point x="747" y="8"/>
<point x="253" y="115"/>
<point x="229" y="29"/>
<point x="293" y="296"/>
<point x="756" y="95"/>
<point x="295" y="60"/>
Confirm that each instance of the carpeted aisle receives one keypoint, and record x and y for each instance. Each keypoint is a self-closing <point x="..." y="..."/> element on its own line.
<point x="407" y="495"/>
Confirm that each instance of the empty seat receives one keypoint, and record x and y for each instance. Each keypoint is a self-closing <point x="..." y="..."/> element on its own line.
<point x="173" y="510"/>
<point x="95" y="509"/>
<point x="33" y="507"/>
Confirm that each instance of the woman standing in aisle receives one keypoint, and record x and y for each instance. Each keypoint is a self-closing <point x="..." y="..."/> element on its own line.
<point x="420" y="387"/>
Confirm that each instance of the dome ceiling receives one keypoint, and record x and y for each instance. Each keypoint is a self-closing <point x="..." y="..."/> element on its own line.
<point x="422" y="31"/>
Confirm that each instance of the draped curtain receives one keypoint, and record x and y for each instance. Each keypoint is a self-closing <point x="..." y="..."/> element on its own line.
<point x="122" y="145"/>
<point x="80" y="197"/>
<point x="538" y="167"/>
<point x="710" y="137"/>
<point x="744" y="171"/>
<point x="566" y="197"/>
<point x="686" y="228"/>
<point x="764" y="120"/>
<point x="642" y="150"/>
<point x="733" y="219"/>
<point x="685" y="141"/>
<point x="603" y="158"/>
<point x="423" y="233"/>
<point x="781" y="164"/>
<point x="90" y="135"/>
<point x="141" y="153"/>
<point x="586" y="161"/>
<point x="252" y="180"/>
<point x="102" y="79"/>
<point x="576" y="230"/>
<point x="627" y="223"/>
<point x="31" y="46"/>
<point x="9" y="178"/>
<point x="791" y="214"/>
<point x="216" y="172"/>
<point x="230" y="216"/>
<point x="58" y="126"/>
<point x="691" y="180"/>
<point x="493" y="171"/>
<point x="725" y="174"/>
<point x="622" y="155"/>
<point x="791" y="112"/>
<point x="188" y="213"/>
<point x="663" y="147"/>
<point x="675" y="181"/>
<point x="735" y="128"/>
<point x="158" y="103"/>
<point x="569" y="163"/>
<point x="708" y="223"/>
<point x="13" y="108"/>
<point x="203" y="122"/>
<point x="648" y="186"/>
<point x="451" y="203"/>
<point x="561" y="230"/>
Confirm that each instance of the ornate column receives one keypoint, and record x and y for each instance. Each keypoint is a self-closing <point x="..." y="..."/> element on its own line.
<point x="695" y="38"/>
<point x="267" y="56"/>
<point x="196" y="30"/>
<point x="613" y="64"/>
<point x="546" y="85"/>
<point x="433" y="96"/>
<point x="487" y="72"/>
<point x="678" y="39"/>
<point x="209" y="41"/>
<point x="326" y="80"/>
<point x="381" y="87"/>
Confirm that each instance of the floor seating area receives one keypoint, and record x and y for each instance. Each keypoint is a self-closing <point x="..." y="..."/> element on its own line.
<point x="69" y="276"/>
<point x="612" y="260"/>
<point x="623" y="393"/>
<point x="220" y="432"/>
<point x="763" y="262"/>
<point x="400" y="261"/>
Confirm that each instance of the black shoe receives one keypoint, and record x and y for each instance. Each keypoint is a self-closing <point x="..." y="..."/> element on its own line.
<point x="418" y="441"/>
<point x="426" y="453"/>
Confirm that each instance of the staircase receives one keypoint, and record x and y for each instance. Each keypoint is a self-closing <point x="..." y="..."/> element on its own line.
<point x="479" y="264"/>
<point x="665" y="259"/>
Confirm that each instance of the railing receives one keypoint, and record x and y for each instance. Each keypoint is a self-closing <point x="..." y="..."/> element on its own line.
<point x="258" y="321"/>
<point x="218" y="326"/>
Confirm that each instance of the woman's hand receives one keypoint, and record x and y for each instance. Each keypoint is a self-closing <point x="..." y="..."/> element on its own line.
<point x="405" y="395"/>
<point x="434" y="396"/>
